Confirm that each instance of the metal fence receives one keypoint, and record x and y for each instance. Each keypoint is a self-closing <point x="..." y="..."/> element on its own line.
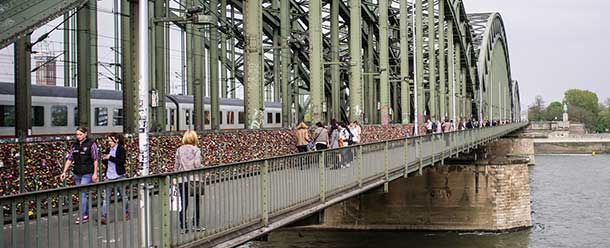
<point x="184" y="208"/>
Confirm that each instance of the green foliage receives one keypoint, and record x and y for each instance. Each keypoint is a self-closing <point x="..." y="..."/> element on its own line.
<point x="554" y="112"/>
<point x="536" y="110"/>
<point x="580" y="115"/>
<point x="603" y="120"/>
<point x="584" y="99"/>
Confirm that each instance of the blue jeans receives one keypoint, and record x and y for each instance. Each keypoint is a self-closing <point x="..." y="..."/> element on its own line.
<point x="108" y="193"/>
<point x="82" y="180"/>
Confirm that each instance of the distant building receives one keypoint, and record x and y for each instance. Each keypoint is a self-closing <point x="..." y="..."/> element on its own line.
<point x="47" y="70"/>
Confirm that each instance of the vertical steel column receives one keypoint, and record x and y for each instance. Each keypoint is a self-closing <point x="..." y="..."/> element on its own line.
<point x="491" y="93"/>
<point x="67" y="50"/>
<point x="23" y="89"/>
<point x="465" y="98"/>
<point x="85" y="64"/>
<point x="93" y="43"/>
<point x="195" y="46"/>
<point x="129" y="67"/>
<point x="143" y="104"/>
<point x="370" y="79"/>
<point x="183" y="54"/>
<point x="441" y="59"/>
<point x="275" y="5"/>
<point x="232" y="47"/>
<point x="405" y="88"/>
<point x="117" y="38"/>
<point x="432" y="60"/>
<point x="384" y="62"/>
<point x="355" y="83"/>
<point x="451" y="70"/>
<point x="285" y="63"/>
<point x="458" y="82"/>
<point x="295" y="88"/>
<point x="419" y="63"/>
<point x="334" y="57"/>
<point x="74" y="53"/>
<point x="253" y="67"/>
<point x="316" y="84"/>
<point x="213" y="57"/>
<point x="223" y="50"/>
<point x="190" y="70"/>
<point x="159" y="62"/>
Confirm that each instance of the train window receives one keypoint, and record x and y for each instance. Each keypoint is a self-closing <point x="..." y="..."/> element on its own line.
<point x="76" y="116"/>
<point x="172" y="115"/>
<point x="269" y="118"/>
<point x="59" y="116"/>
<point x="241" y="117"/>
<point x="37" y="116"/>
<point x="230" y="117"/>
<point x="101" y="117"/>
<point x="7" y="116"/>
<point x="220" y="117"/>
<point x="166" y="116"/>
<point x="207" y="117"/>
<point x="117" y="117"/>
<point x="187" y="116"/>
<point x="278" y="118"/>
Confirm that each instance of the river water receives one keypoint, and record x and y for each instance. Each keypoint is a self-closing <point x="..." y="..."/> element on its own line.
<point x="570" y="208"/>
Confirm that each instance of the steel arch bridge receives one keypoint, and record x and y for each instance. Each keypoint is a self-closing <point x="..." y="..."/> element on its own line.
<point x="415" y="60"/>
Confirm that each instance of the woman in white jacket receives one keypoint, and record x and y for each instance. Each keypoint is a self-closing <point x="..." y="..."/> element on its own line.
<point x="188" y="157"/>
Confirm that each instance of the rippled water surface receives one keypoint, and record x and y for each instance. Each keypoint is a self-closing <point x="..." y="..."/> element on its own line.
<point x="570" y="204"/>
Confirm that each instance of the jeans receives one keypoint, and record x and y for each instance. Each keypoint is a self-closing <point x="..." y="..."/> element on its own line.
<point x="184" y="195"/>
<point x="108" y="193"/>
<point x="82" y="180"/>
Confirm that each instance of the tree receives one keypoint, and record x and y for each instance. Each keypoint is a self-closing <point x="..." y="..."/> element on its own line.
<point x="554" y="111"/>
<point x="584" y="99"/>
<point x="536" y="110"/>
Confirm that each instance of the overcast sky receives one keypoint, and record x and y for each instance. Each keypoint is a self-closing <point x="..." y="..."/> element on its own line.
<point x="555" y="45"/>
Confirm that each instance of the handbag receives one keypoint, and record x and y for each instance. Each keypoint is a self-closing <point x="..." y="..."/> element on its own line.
<point x="175" y="201"/>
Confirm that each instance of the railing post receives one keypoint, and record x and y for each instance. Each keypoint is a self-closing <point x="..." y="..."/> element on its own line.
<point x="360" y="169"/>
<point x="432" y="137"/>
<point x="406" y="158"/>
<point x="164" y="186"/>
<point x="322" y="165"/>
<point x="443" y="152"/>
<point x="264" y="192"/>
<point x="21" y="166"/>
<point x="419" y="155"/>
<point x="386" y="165"/>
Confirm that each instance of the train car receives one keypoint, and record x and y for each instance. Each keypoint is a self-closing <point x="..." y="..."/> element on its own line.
<point x="55" y="110"/>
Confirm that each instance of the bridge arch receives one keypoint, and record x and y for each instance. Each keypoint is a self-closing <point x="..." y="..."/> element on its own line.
<point x="497" y="98"/>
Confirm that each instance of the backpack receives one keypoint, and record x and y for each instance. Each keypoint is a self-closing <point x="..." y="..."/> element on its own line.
<point x="434" y="126"/>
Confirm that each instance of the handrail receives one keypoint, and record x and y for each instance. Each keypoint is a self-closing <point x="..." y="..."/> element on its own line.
<point x="231" y="199"/>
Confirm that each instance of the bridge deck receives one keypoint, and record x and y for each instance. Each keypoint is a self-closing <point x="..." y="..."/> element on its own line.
<point x="240" y="201"/>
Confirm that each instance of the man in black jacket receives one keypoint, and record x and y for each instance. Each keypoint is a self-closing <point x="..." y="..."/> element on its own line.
<point x="84" y="155"/>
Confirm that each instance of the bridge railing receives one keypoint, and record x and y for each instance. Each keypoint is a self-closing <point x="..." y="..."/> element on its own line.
<point x="221" y="199"/>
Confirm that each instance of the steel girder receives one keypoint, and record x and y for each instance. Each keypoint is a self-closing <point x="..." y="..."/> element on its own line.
<point x="18" y="17"/>
<point x="498" y="92"/>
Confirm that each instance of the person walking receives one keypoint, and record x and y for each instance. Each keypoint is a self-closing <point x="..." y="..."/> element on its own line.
<point x="356" y="132"/>
<point x="114" y="159"/>
<point x="188" y="157"/>
<point x="302" y="135"/>
<point x="83" y="154"/>
<point x="320" y="137"/>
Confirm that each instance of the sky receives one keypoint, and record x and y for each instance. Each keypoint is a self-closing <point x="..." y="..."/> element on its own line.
<point x="554" y="45"/>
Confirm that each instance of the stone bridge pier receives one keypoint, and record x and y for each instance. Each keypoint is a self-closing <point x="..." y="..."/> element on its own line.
<point x="485" y="190"/>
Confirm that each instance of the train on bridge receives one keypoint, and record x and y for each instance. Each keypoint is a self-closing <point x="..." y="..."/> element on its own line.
<point x="54" y="111"/>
